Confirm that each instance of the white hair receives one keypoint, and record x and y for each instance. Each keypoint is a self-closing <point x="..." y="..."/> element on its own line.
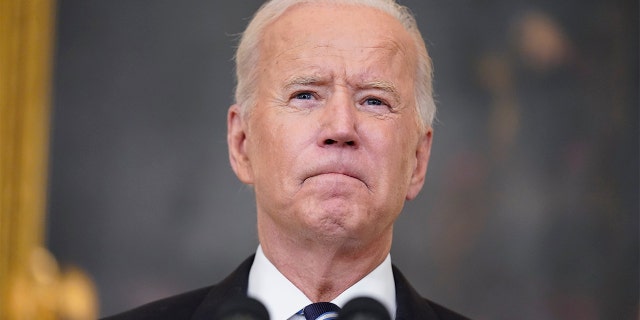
<point x="248" y="53"/>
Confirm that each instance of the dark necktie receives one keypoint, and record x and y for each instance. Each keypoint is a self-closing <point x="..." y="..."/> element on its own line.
<point x="321" y="311"/>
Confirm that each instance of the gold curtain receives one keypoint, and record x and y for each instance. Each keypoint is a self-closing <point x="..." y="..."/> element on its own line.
<point x="31" y="286"/>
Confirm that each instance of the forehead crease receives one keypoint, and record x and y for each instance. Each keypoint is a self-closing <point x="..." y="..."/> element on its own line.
<point x="391" y="40"/>
<point x="386" y="59"/>
<point x="314" y="78"/>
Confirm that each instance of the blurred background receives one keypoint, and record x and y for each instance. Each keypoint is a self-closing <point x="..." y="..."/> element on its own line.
<point x="530" y="209"/>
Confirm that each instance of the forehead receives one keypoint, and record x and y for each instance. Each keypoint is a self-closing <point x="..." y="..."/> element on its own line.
<point x="318" y="34"/>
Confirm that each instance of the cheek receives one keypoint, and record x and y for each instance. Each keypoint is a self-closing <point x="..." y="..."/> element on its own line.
<point x="274" y="147"/>
<point x="395" y="156"/>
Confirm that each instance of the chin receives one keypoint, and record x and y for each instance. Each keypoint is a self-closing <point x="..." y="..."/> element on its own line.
<point x="335" y="225"/>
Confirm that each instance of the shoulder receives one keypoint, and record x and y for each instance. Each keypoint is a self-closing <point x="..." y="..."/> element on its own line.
<point x="196" y="304"/>
<point x="413" y="306"/>
<point x="181" y="306"/>
<point x="444" y="313"/>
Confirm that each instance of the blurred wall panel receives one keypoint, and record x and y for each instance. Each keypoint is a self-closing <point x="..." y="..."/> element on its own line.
<point x="530" y="210"/>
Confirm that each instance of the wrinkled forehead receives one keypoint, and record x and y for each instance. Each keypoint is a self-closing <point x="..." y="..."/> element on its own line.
<point x="322" y="29"/>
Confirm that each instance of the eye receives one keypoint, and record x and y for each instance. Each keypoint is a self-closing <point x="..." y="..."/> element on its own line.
<point x="304" y="100"/>
<point x="373" y="102"/>
<point x="376" y="105"/>
<point x="303" y="96"/>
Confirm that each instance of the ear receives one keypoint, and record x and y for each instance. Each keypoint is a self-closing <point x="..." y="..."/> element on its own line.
<point x="237" y="140"/>
<point x="423" y="151"/>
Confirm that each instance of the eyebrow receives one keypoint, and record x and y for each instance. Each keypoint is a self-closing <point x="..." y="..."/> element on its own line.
<point x="303" y="81"/>
<point x="382" y="85"/>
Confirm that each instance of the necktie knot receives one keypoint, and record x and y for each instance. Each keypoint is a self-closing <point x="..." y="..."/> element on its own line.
<point x="321" y="311"/>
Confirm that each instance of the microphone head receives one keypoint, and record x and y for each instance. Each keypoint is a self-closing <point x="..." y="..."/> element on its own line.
<point x="364" y="309"/>
<point x="242" y="308"/>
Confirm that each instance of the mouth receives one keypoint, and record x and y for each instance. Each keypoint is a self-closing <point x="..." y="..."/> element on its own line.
<point x="336" y="174"/>
<point x="348" y="174"/>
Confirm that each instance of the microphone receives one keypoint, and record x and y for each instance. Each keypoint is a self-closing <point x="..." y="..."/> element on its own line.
<point x="364" y="309"/>
<point x="242" y="308"/>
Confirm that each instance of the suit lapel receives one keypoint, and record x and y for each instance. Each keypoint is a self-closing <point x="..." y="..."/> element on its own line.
<point x="233" y="286"/>
<point x="410" y="305"/>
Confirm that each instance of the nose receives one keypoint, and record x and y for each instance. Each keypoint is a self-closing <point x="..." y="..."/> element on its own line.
<point x="339" y="123"/>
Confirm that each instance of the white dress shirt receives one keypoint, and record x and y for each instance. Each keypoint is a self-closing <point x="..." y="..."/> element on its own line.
<point x="284" y="300"/>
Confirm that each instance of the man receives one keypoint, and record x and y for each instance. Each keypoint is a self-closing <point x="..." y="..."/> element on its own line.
<point x="332" y="128"/>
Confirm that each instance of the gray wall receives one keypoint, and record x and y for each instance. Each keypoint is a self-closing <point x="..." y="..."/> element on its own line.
<point x="530" y="210"/>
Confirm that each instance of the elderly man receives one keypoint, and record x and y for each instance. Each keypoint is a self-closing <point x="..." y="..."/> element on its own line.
<point x="332" y="128"/>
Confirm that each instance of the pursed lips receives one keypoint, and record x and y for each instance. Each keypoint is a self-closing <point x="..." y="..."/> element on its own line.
<point x="344" y="172"/>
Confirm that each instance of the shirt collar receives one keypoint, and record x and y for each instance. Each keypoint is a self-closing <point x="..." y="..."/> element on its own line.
<point x="283" y="299"/>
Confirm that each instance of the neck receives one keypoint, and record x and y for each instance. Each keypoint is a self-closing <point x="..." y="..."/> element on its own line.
<point x="323" y="269"/>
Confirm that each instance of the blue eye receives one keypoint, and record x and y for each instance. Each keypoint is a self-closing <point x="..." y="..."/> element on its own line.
<point x="373" y="102"/>
<point x="304" y="96"/>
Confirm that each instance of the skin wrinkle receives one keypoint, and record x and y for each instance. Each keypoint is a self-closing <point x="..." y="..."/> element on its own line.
<point x="424" y="104"/>
<point x="339" y="227"/>
<point x="316" y="77"/>
<point x="376" y="89"/>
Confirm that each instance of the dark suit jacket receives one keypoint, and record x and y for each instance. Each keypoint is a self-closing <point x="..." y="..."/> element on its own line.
<point x="203" y="303"/>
